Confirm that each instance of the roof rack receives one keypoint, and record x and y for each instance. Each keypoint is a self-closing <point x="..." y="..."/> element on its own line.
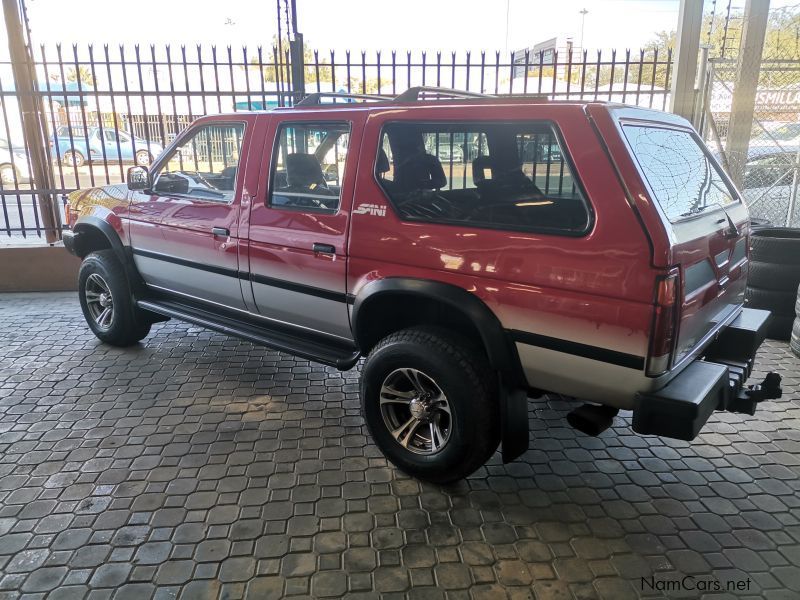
<point x="315" y="98"/>
<point x="413" y="94"/>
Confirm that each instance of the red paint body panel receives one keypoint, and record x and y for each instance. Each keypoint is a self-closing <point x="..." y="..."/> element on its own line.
<point x="684" y="244"/>
<point x="596" y="289"/>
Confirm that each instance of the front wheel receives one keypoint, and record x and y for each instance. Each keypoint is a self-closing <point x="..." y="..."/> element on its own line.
<point x="107" y="302"/>
<point x="8" y="175"/>
<point x="429" y="401"/>
<point x="143" y="158"/>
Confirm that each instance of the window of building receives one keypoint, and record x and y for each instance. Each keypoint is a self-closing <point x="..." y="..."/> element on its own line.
<point x="308" y="165"/>
<point x="205" y="165"/>
<point x="501" y="175"/>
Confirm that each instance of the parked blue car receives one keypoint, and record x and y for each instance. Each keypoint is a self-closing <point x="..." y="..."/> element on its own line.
<point x="72" y="149"/>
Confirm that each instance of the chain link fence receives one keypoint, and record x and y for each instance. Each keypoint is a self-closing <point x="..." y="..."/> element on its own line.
<point x="769" y="181"/>
<point x="769" y="175"/>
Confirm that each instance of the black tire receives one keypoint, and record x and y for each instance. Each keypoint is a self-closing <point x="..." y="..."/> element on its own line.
<point x="757" y="223"/>
<point x="780" y="245"/>
<point x="466" y="383"/>
<point x="775" y="277"/>
<point x="779" y="303"/>
<point x="780" y="327"/>
<point x="125" y="325"/>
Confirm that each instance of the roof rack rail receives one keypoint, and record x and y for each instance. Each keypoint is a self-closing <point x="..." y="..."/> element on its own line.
<point x="315" y="98"/>
<point x="413" y="94"/>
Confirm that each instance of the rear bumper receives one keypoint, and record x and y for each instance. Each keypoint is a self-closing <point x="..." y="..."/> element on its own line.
<point x="716" y="381"/>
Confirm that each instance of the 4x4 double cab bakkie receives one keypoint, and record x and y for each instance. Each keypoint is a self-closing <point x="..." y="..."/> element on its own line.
<point x="475" y="250"/>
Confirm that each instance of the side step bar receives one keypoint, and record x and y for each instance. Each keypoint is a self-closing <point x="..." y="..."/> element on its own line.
<point x="318" y="348"/>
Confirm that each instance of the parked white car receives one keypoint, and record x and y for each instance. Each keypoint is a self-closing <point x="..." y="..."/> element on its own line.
<point x="14" y="166"/>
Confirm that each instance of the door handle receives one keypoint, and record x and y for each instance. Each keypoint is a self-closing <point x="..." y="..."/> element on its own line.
<point x="323" y="249"/>
<point x="220" y="231"/>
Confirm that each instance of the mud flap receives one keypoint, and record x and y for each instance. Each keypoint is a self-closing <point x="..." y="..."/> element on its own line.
<point x="514" y="421"/>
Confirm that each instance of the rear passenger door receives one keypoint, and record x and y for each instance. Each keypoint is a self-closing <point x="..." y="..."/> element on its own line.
<point x="184" y="232"/>
<point x="298" y="224"/>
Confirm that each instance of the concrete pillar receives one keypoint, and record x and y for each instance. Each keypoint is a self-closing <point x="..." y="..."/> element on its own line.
<point x="684" y="73"/>
<point x="33" y="119"/>
<point x="756" y="14"/>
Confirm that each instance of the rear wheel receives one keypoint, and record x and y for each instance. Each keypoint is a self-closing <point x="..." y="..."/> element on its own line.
<point x="73" y="158"/>
<point x="107" y="303"/>
<point x="429" y="400"/>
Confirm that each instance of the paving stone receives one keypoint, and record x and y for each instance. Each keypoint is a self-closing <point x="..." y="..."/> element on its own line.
<point x="110" y="575"/>
<point x="199" y="466"/>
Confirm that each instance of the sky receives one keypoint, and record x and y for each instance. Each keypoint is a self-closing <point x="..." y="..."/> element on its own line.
<point x="358" y="24"/>
<point x="362" y="24"/>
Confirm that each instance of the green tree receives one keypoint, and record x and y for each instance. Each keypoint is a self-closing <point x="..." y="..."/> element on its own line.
<point x="82" y="73"/>
<point x="271" y="55"/>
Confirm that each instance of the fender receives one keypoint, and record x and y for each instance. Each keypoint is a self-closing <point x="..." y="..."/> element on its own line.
<point x="85" y="224"/>
<point x="502" y="354"/>
<point x="123" y="253"/>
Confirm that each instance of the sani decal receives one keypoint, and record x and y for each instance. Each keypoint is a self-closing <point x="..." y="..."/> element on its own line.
<point x="370" y="209"/>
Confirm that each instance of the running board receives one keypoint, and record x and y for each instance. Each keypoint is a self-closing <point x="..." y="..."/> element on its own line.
<point x="312" y="346"/>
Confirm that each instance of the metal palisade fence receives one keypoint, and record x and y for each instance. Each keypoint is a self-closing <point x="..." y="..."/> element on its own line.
<point x="108" y="108"/>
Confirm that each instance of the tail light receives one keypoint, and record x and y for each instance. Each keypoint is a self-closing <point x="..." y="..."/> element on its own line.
<point x="665" y="325"/>
<point x="68" y="214"/>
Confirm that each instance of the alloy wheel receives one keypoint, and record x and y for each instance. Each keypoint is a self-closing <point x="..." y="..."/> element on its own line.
<point x="142" y="158"/>
<point x="7" y="175"/>
<point x="416" y="412"/>
<point x="99" y="301"/>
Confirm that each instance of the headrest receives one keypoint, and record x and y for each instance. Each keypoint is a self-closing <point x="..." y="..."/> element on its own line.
<point x="303" y="170"/>
<point x="382" y="163"/>
<point x="479" y="166"/>
<point x="420" y="172"/>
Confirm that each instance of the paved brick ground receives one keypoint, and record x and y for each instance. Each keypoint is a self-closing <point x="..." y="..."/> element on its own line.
<point x="198" y="466"/>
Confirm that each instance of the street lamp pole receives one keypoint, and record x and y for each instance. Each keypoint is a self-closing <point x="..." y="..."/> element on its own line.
<point x="297" y="57"/>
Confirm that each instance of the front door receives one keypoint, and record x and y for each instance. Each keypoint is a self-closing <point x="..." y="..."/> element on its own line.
<point x="184" y="232"/>
<point x="298" y="227"/>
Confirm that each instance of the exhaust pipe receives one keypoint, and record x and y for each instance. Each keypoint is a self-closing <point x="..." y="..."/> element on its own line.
<point x="592" y="419"/>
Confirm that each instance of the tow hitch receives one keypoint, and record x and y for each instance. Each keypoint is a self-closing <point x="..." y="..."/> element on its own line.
<point x="746" y="400"/>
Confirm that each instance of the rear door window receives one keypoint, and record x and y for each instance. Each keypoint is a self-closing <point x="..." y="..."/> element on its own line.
<point x="308" y="165"/>
<point x="510" y="176"/>
<point x="681" y="177"/>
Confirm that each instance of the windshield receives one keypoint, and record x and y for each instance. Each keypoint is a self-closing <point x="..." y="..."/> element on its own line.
<point x="787" y="132"/>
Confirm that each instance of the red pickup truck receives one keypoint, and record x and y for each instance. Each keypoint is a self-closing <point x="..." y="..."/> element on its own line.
<point x="476" y="251"/>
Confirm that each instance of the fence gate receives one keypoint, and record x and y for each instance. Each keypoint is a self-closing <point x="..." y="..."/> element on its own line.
<point x="772" y="169"/>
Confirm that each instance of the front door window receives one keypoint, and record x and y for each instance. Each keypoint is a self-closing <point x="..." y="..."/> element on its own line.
<point x="204" y="166"/>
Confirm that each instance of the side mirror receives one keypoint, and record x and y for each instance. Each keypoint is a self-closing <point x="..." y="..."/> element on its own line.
<point x="139" y="178"/>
